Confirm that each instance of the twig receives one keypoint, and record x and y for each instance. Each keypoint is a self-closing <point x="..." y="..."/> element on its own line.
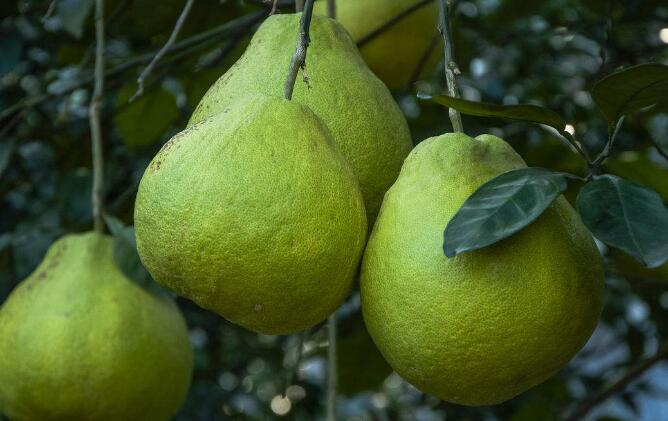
<point x="49" y="11"/>
<point x="607" y="34"/>
<point x="227" y="30"/>
<point x="97" y="196"/>
<point x="390" y="23"/>
<point x="299" y="57"/>
<point x="172" y="38"/>
<point x="659" y="149"/>
<point x="331" y="369"/>
<point x="331" y="9"/>
<point x="583" y="408"/>
<point x="451" y="69"/>
<point x="605" y="153"/>
<point x="13" y="122"/>
<point x="274" y="7"/>
<point x="299" y="5"/>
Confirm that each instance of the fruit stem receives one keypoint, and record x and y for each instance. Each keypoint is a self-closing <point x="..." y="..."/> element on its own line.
<point x="331" y="368"/>
<point x="451" y="69"/>
<point x="299" y="57"/>
<point x="331" y="9"/>
<point x="97" y="195"/>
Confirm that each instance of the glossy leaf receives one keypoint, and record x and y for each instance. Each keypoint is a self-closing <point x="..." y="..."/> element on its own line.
<point x="630" y="90"/>
<point x="501" y="207"/>
<point x="529" y="113"/>
<point x="627" y="216"/>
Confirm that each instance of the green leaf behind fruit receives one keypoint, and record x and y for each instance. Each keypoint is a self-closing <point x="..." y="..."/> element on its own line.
<point x="526" y="112"/>
<point x="627" y="216"/>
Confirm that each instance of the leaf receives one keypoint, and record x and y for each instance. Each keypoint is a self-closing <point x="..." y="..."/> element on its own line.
<point x="530" y="113"/>
<point x="627" y="216"/>
<point x="501" y="207"/>
<point x="73" y="14"/>
<point x="125" y="252"/>
<point x="144" y="120"/>
<point x="630" y="90"/>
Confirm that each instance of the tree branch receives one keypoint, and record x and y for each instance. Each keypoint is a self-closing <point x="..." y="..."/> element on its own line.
<point x="583" y="408"/>
<point x="227" y="30"/>
<point x="172" y="39"/>
<point x="331" y="369"/>
<point x="451" y="69"/>
<point x="97" y="196"/>
<point x="299" y="57"/>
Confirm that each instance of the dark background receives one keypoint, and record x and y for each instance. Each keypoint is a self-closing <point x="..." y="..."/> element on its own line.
<point x="543" y="52"/>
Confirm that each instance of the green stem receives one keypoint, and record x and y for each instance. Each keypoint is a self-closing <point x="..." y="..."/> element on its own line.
<point x="612" y="135"/>
<point x="451" y="69"/>
<point x="97" y="197"/>
<point x="299" y="57"/>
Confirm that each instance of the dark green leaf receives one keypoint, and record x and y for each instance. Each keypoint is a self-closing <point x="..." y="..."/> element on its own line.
<point x="627" y="216"/>
<point x="144" y="120"/>
<point x="73" y="14"/>
<point x="530" y="113"/>
<point x="630" y="90"/>
<point x="501" y="207"/>
<point x="125" y="251"/>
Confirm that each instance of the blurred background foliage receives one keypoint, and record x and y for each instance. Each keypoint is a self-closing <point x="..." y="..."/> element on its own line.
<point x="510" y="51"/>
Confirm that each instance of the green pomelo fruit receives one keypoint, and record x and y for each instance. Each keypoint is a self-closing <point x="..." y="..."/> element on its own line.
<point x="484" y="326"/>
<point x="253" y="213"/>
<point x="366" y="124"/>
<point x="80" y="341"/>
<point x="396" y="54"/>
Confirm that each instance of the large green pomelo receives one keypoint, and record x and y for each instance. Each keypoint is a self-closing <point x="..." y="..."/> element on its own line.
<point x="253" y="213"/>
<point x="367" y="125"/>
<point x="484" y="326"/>
<point x="81" y="342"/>
<point x="396" y="54"/>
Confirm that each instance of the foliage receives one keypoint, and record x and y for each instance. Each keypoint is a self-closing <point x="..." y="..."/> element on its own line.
<point x="547" y="54"/>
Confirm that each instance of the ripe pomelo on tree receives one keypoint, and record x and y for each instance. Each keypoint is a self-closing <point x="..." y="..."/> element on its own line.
<point x="254" y="213"/>
<point x="80" y="341"/>
<point x="365" y="122"/>
<point x="486" y="325"/>
<point x="396" y="54"/>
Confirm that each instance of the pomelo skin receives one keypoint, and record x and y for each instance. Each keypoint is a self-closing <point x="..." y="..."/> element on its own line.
<point x="81" y="342"/>
<point x="254" y="214"/>
<point x="484" y="326"/>
<point x="366" y="123"/>
<point x="395" y="54"/>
